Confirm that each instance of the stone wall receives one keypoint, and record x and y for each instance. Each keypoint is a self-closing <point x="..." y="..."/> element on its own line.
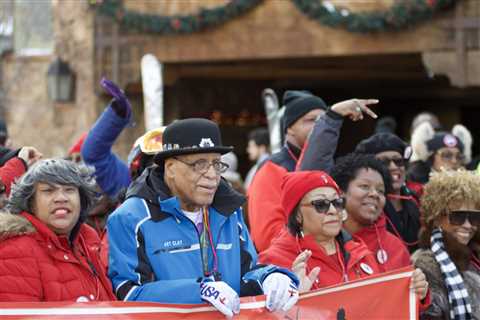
<point x="32" y="118"/>
<point x="273" y="30"/>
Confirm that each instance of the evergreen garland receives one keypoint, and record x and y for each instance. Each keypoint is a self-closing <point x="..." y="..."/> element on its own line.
<point x="175" y="24"/>
<point x="402" y="15"/>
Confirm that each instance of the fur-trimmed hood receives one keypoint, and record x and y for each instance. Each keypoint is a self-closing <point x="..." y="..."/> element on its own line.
<point x="12" y="225"/>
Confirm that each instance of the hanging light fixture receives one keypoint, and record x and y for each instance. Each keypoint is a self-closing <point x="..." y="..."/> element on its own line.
<point x="60" y="81"/>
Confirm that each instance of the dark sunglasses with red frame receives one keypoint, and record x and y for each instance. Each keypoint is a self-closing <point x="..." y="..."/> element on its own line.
<point x="458" y="217"/>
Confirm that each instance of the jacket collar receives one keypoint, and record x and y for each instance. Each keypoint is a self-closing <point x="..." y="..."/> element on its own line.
<point x="371" y="231"/>
<point x="12" y="225"/>
<point x="295" y="151"/>
<point x="47" y="233"/>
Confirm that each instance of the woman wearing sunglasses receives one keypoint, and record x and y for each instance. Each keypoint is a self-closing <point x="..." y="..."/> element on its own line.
<point x="315" y="246"/>
<point x="401" y="205"/>
<point x="365" y="183"/>
<point x="437" y="151"/>
<point x="450" y="244"/>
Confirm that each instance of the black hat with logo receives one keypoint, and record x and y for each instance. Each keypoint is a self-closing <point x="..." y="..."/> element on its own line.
<point x="188" y="136"/>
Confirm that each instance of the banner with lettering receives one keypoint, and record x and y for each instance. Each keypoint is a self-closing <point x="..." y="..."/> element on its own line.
<point x="386" y="296"/>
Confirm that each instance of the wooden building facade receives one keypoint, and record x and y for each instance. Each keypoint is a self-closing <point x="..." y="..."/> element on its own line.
<point x="219" y="72"/>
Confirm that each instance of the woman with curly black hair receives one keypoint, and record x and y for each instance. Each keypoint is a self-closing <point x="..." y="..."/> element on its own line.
<point x="401" y="208"/>
<point x="366" y="182"/>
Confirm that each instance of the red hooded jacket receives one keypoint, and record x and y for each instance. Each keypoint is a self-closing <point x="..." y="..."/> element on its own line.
<point x="38" y="265"/>
<point x="376" y="237"/>
<point x="356" y="262"/>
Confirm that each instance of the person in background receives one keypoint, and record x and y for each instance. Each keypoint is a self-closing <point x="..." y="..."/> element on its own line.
<point x="4" y="138"/>
<point x="258" y="150"/>
<point x="386" y="124"/>
<point x="13" y="164"/>
<point x="265" y="213"/>
<point x="231" y="175"/>
<point x="423" y="117"/>
<point x="450" y="244"/>
<point x="74" y="151"/>
<point x="401" y="206"/>
<point x="437" y="151"/>
<point x="179" y="237"/>
<point x="47" y="252"/>
<point x="112" y="174"/>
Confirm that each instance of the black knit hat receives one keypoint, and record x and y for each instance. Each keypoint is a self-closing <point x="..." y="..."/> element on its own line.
<point x="299" y="103"/>
<point x="189" y="136"/>
<point x="444" y="140"/>
<point x="381" y="142"/>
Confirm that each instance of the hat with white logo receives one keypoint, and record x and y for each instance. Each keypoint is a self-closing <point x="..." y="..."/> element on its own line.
<point x="187" y="136"/>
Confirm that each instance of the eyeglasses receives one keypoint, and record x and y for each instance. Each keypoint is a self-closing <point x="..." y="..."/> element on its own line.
<point x="201" y="166"/>
<point x="449" y="156"/>
<point x="458" y="217"/>
<point x="399" y="162"/>
<point x="323" y="205"/>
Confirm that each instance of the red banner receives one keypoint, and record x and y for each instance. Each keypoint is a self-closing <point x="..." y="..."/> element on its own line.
<point x="386" y="296"/>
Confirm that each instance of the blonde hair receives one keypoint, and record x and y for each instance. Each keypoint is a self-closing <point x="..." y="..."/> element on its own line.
<point x="447" y="188"/>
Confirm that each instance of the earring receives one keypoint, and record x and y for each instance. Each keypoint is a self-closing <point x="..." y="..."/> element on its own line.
<point x="344" y="215"/>
<point x="300" y="226"/>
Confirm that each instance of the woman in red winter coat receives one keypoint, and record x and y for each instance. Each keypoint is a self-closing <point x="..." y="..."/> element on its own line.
<point x="366" y="182"/>
<point x="315" y="244"/>
<point x="47" y="252"/>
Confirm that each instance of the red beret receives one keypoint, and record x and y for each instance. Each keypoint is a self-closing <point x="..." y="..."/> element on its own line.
<point x="296" y="184"/>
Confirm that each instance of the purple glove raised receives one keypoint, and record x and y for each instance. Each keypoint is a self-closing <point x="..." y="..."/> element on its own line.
<point x="120" y="103"/>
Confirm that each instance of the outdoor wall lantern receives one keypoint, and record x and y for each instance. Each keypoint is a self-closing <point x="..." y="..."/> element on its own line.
<point x="60" y="81"/>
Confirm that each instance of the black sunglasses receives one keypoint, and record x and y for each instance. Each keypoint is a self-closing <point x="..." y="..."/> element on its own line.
<point x="322" y="205"/>
<point x="458" y="217"/>
<point x="399" y="162"/>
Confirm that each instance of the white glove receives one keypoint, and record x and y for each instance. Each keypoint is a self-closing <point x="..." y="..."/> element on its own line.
<point x="281" y="291"/>
<point x="221" y="296"/>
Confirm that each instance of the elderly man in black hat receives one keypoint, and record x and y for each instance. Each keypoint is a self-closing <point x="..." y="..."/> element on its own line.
<point x="180" y="235"/>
